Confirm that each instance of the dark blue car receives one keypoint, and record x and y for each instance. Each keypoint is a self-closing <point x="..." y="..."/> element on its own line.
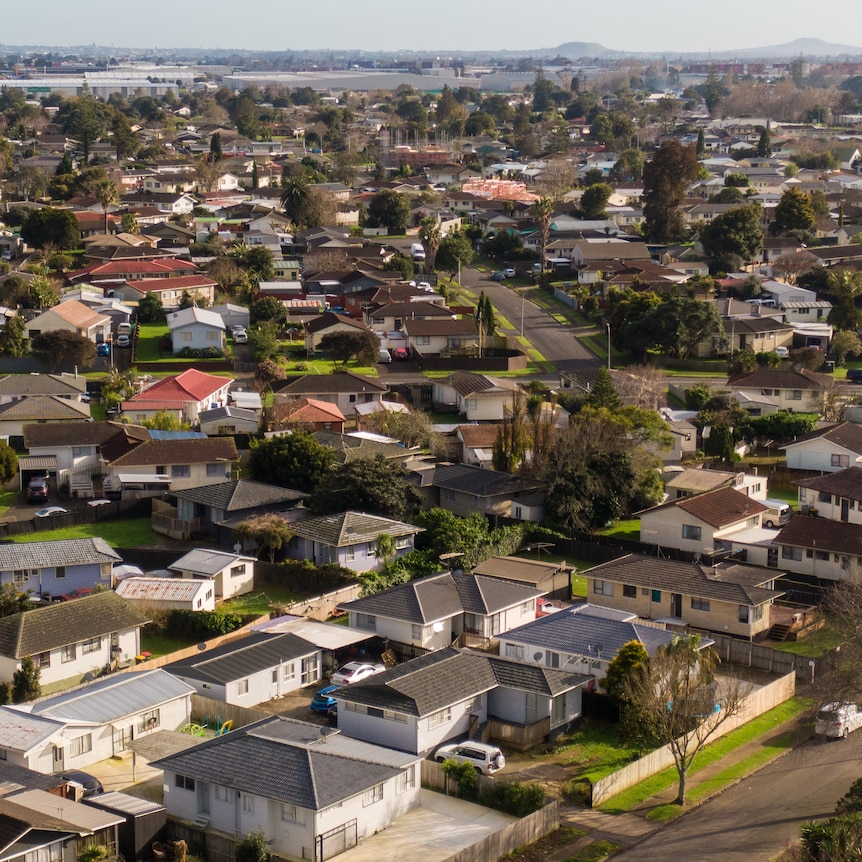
<point x="323" y="700"/>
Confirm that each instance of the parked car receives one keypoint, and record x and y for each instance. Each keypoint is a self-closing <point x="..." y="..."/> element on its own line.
<point x="76" y="594"/>
<point x="400" y="353"/>
<point x="837" y="719"/>
<point x="90" y="783"/>
<point x="240" y="336"/>
<point x="354" y="671"/>
<point x="99" y="501"/>
<point x="37" y="490"/>
<point x="124" y="329"/>
<point x="499" y="275"/>
<point x="782" y="352"/>
<point x="385" y="356"/>
<point x="487" y="759"/>
<point x="778" y="513"/>
<point x="854" y="375"/>
<point x="426" y="286"/>
<point x="124" y="340"/>
<point x="51" y="512"/>
<point x="537" y="268"/>
<point x="103" y="349"/>
<point x="323" y="700"/>
<point x="509" y="273"/>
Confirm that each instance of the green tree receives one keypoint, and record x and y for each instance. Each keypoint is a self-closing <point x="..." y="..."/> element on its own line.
<point x="296" y="199"/>
<point x="389" y="209"/>
<point x="25" y="682"/>
<point x="719" y="443"/>
<point x="13" y="338"/>
<point x="51" y="227"/>
<point x="603" y="392"/>
<point x="62" y="345"/>
<point x="844" y="288"/>
<point x="268" y="309"/>
<point x="736" y="232"/>
<point x="84" y="122"/>
<point x="215" y="147"/>
<point x="129" y="224"/>
<point x="165" y="420"/>
<point x="294" y="460"/>
<point x="666" y="179"/>
<point x="429" y="234"/>
<point x="630" y="657"/>
<point x="253" y="848"/>
<point x="512" y="439"/>
<point x="764" y="144"/>
<point x="263" y="339"/>
<point x="372" y="485"/>
<point x="794" y="211"/>
<point x="844" y="342"/>
<point x="447" y="533"/>
<point x="455" y="253"/>
<point x="107" y="196"/>
<point x="363" y="345"/>
<point x="150" y="308"/>
<point x="268" y="531"/>
<point x="385" y="548"/>
<point x="12" y="600"/>
<point x="595" y="199"/>
<point x="542" y="210"/>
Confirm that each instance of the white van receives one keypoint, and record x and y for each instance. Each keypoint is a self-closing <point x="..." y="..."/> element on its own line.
<point x="417" y="251"/>
<point x="777" y="513"/>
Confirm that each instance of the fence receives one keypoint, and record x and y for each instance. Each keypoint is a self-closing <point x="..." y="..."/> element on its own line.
<point x="565" y="298"/>
<point x="84" y="515"/>
<point x="204" y="707"/>
<point x="759" y="701"/>
<point x="747" y="654"/>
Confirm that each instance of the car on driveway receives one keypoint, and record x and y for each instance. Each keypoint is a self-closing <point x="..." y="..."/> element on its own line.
<point x="240" y="336"/>
<point x="51" y="512"/>
<point x="487" y="759"/>
<point x="76" y="594"/>
<point x="499" y="275"/>
<point x="124" y="340"/>
<point x="837" y="720"/>
<point x="854" y="375"/>
<point x="90" y="783"/>
<point x="509" y="273"/>
<point x="354" y="671"/>
<point x="323" y="700"/>
<point x="103" y="349"/>
<point x="37" y="490"/>
<point x="400" y="353"/>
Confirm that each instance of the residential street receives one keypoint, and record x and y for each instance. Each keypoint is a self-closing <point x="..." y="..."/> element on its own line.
<point x="759" y="817"/>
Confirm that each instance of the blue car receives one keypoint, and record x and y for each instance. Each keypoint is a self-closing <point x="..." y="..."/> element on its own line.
<point x="103" y="349"/>
<point x="323" y="700"/>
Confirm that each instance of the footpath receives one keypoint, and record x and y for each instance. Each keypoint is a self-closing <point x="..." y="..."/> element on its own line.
<point x="628" y="829"/>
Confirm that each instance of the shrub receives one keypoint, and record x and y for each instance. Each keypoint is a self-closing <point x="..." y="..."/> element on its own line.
<point x="201" y="625"/>
<point x="513" y="797"/>
<point x="464" y="774"/>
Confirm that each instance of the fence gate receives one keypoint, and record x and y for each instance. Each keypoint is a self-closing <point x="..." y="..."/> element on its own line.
<point x="336" y="841"/>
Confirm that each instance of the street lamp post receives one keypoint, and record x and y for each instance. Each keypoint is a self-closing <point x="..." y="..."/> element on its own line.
<point x="608" y="325"/>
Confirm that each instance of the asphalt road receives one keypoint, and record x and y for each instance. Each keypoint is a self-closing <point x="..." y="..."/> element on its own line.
<point x="756" y="819"/>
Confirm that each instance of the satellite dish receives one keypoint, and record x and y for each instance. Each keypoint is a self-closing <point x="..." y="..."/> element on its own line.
<point x="201" y="647"/>
<point x="537" y="656"/>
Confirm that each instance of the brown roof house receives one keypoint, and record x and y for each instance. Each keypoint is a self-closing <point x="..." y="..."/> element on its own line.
<point x="345" y="390"/>
<point x="820" y="547"/>
<point x="308" y="413"/>
<point x="795" y="389"/>
<point x="837" y="496"/>
<point x="72" y="316"/>
<point x="827" y="450"/>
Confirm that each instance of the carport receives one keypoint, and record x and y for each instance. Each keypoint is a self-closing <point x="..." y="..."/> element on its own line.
<point x="30" y="466"/>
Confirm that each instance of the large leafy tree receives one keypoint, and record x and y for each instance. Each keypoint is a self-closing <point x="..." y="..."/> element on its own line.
<point x="595" y="199"/>
<point x="666" y="178"/>
<point x="150" y="308"/>
<point x="57" y="346"/>
<point x="737" y="232"/>
<point x="51" y="227"/>
<point x="294" y="460"/>
<point x="364" y="346"/>
<point x="268" y="531"/>
<point x="85" y="121"/>
<point x="844" y="288"/>
<point x="372" y="485"/>
<point x="454" y="254"/>
<point x="13" y="338"/>
<point x="794" y="211"/>
<point x="389" y="209"/>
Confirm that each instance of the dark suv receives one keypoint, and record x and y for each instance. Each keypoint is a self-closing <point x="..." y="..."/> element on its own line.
<point x="854" y="375"/>
<point x="37" y="490"/>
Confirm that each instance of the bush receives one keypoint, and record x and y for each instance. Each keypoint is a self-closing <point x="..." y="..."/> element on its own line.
<point x="513" y="797"/>
<point x="201" y="353"/>
<point x="200" y="625"/>
<point x="462" y="773"/>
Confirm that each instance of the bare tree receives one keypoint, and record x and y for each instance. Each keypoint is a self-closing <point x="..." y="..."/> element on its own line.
<point x="791" y="266"/>
<point x="843" y="605"/>
<point x="677" y="697"/>
<point x="556" y="180"/>
<point x="832" y="402"/>
<point x="642" y="385"/>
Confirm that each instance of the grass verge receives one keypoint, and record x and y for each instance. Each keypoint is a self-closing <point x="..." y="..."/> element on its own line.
<point x="594" y="852"/>
<point x="7" y="499"/>
<point x="127" y="533"/>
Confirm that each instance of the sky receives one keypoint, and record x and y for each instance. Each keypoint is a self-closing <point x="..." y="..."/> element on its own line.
<point x="443" y="25"/>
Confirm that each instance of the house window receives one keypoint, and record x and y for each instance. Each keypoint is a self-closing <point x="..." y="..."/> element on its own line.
<point x="629" y="591"/>
<point x="448" y="495"/>
<point x="526" y="608"/>
<point x="840" y="460"/>
<point x="552" y="659"/>
<point x="21" y="576"/>
<point x="288" y="672"/>
<point x="350" y="553"/>
<point x="352" y="399"/>
<point x="181" y="471"/>
<point x="472" y="403"/>
<point x="185" y="336"/>
<point x="60" y="573"/>
<point x="794" y="395"/>
<point x="68" y="653"/>
<point x="416" y="632"/>
<point x="42" y="660"/>
<point x="699" y="604"/>
<point x="237" y="571"/>
<point x="515" y="651"/>
<point x="368" y="622"/>
<point x="310" y="670"/>
<point x="691" y="532"/>
<point x="330" y="810"/>
<point x="743" y="613"/>
<point x="656" y="596"/>
<point x="423" y="340"/>
<point x="440" y="717"/>
<point x="603" y="588"/>
<point x="91" y="645"/>
<point x="81" y="745"/>
<point x="242" y="687"/>
<point x="219" y="470"/>
<point x="406" y="780"/>
<point x="473" y="623"/>
<point x="223" y="794"/>
<point x="247" y="803"/>
<point x="80" y="451"/>
<point x="150" y="719"/>
<point x="791" y="553"/>
<point x="474" y="704"/>
<point x="292" y="814"/>
<point x="372" y="795"/>
<point x="402" y="542"/>
<point x="3" y="754"/>
<point x="212" y="336"/>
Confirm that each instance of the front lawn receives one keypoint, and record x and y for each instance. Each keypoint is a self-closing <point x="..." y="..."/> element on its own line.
<point x="626" y="529"/>
<point x="815" y="645"/>
<point x="149" y="335"/>
<point x="125" y="533"/>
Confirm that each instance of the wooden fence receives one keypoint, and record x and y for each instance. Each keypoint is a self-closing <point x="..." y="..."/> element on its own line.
<point x="759" y="701"/>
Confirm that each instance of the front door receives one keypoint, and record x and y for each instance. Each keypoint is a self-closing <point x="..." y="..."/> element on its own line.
<point x="57" y="757"/>
<point x="676" y="605"/>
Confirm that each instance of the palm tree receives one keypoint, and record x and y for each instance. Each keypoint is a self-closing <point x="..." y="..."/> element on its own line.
<point x="541" y="211"/>
<point x="106" y="195"/>
<point x="295" y="198"/>
<point x="429" y="234"/>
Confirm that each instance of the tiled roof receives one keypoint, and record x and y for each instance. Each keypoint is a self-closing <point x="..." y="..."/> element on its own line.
<point x="349" y="528"/>
<point x="479" y="481"/>
<point x="717" y="508"/>
<point x="177" y="282"/>
<point x="312" y="384"/>
<point x="534" y="678"/>
<point x="307" y="410"/>
<point x="347" y="448"/>
<point x="44" y="407"/>
<point x="164" y="452"/>
<point x="78" y="314"/>
<point x="54" y="626"/>
<point x="848" y="435"/>
<point x="517" y="569"/>
<point x="191" y="385"/>
<point x="465" y="326"/>
<point x="822" y="534"/>
<point x="240" y="658"/>
<point x="42" y="384"/>
<point x="329" y="319"/>
<point x="736" y="584"/>
<point x="772" y="378"/>
<point x="412" y="310"/>
<point x="59" y="552"/>
<point x="844" y="483"/>
<point x="239" y="495"/>
<point x="78" y="433"/>
<point x="479" y="436"/>
<point x="289" y="762"/>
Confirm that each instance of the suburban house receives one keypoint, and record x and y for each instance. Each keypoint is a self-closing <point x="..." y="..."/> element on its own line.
<point x="345" y="390"/>
<point x="48" y="570"/>
<point x="170" y="290"/>
<point x="690" y="482"/>
<point x="16" y="386"/>
<point x="826" y="450"/>
<point x="196" y="329"/>
<point x="758" y="334"/>
<point x="478" y="397"/>
<point x="71" y="639"/>
<point x="72" y="316"/>
<point x="700" y="523"/>
<point x="799" y="390"/>
<point x="464" y="489"/>
<point x="582" y="639"/>
<point x="229" y="574"/>
<point x="819" y="547"/>
<point x="251" y="670"/>
<point x="105" y="716"/>
<point x="167" y="593"/>
<point x="553" y="579"/>
<point x="227" y="421"/>
<point x="449" y="694"/>
<point x="308" y="413"/>
<point x="15" y="415"/>
<point x="446" y="336"/>
<point x="355" y="445"/>
<point x="430" y="613"/>
<point x="728" y="597"/>
<point x="837" y="496"/>
<point x="312" y="794"/>
<point x="392" y="316"/>
<point x="187" y="461"/>
<point x="347" y="539"/>
<point x="186" y="395"/>
<point x="327" y="323"/>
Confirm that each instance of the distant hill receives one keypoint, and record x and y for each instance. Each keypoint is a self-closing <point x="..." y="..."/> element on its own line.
<point x="579" y="49"/>
<point x="807" y="47"/>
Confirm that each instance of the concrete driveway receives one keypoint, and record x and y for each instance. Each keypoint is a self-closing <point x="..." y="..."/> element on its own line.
<point x="439" y="828"/>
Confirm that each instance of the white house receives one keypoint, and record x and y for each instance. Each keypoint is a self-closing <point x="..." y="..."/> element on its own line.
<point x="827" y="450"/>
<point x="837" y="496"/>
<point x="305" y="790"/>
<point x="168" y="593"/>
<point x="819" y="547"/>
<point x="197" y="329"/>
<point x="229" y="574"/>
<point x="72" y="316"/>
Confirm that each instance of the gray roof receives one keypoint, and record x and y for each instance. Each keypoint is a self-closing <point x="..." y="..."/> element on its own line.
<point x="115" y="697"/>
<point x="444" y="595"/>
<point x="733" y="583"/>
<point x="290" y="762"/>
<point x="348" y="448"/>
<point x="206" y="561"/>
<point x="534" y="678"/>
<point x="79" y="433"/>
<point x="580" y="629"/>
<point x="240" y="494"/>
<point x="22" y="731"/>
<point x="42" y="384"/>
<point x="312" y="384"/>
<point x="350" y="528"/>
<point x="55" y="626"/>
<point x="478" y="480"/>
<point x="228" y="412"/>
<point x="238" y="659"/>
<point x="59" y="552"/>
